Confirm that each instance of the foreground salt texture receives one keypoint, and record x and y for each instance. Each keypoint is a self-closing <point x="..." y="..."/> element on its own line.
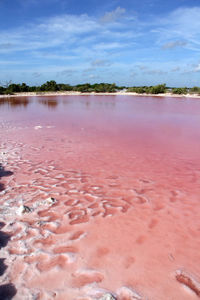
<point x="103" y="199"/>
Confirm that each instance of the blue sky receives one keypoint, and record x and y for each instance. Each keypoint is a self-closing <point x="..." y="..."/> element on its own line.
<point x="128" y="42"/>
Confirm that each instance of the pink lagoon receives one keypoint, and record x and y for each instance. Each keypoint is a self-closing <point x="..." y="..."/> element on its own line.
<point x="100" y="198"/>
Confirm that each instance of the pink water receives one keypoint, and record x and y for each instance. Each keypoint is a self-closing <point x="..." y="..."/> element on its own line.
<point x="125" y="174"/>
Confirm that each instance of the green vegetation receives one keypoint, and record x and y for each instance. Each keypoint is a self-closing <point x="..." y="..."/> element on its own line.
<point x="180" y="91"/>
<point x="97" y="88"/>
<point x="52" y="86"/>
<point x="156" y="89"/>
<point x="195" y="90"/>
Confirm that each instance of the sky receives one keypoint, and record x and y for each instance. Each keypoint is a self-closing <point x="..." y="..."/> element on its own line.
<point x="129" y="42"/>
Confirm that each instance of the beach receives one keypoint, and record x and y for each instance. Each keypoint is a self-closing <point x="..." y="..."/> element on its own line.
<point x="30" y="94"/>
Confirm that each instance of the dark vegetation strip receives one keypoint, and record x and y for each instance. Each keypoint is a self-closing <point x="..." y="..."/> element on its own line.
<point x="52" y="86"/>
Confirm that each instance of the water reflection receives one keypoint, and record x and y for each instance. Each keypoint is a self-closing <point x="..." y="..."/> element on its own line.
<point x="15" y="101"/>
<point x="50" y="103"/>
<point x="90" y="102"/>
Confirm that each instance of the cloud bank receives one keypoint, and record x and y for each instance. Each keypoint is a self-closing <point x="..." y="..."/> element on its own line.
<point x="117" y="42"/>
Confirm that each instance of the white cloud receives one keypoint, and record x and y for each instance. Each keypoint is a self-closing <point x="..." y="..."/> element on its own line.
<point x="93" y="76"/>
<point x="52" y="56"/>
<point x="36" y="74"/>
<point x="175" y="69"/>
<point x="69" y="24"/>
<point x="100" y="63"/>
<point x="11" y="62"/>
<point x="193" y="68"/>
<point x="174" y="44"/>
<point x="185" y="21"/>
<point x="56" y="45"/>
<point x="180" y="28"/>
<point x="110" y="46"/>
<point x="197" y="68"/>
<point x="155" y="72"/>
<point x="6" y="46"/>
<point x="114" y="15"/>
<point x="142" y="67"/>
<point x="66" y="72"/>
<point x="66" y="33"/>
<point x="133" y="74"/>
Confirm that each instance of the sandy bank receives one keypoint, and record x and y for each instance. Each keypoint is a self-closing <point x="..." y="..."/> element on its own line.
<point x="29" y="94"/>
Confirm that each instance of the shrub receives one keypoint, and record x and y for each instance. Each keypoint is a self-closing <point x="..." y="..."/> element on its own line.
<point x="180" y="91"/>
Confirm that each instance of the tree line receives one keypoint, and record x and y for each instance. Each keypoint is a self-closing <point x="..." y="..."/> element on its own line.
<point x="161" y="89"/>
<point x="52" y="86"/>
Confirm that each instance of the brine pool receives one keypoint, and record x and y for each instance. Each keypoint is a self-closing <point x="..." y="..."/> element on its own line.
<point x="99" y="195"/>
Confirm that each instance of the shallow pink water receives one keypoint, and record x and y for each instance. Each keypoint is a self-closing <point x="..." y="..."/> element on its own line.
<point x="125" y="172"/>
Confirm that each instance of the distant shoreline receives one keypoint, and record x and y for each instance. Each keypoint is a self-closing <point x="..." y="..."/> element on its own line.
<point x="39" y="94"/>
